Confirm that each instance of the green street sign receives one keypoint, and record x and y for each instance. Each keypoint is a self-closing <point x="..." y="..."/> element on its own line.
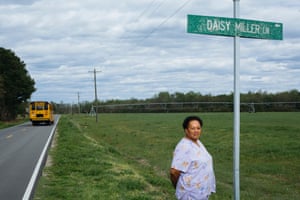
<point x="234" y="27"/>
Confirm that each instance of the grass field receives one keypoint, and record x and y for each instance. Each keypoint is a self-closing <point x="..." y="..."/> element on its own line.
<point x="128" y="156"/>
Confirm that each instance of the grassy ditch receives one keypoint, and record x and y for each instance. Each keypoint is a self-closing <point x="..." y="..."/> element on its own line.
<point x="127" y="156"/>
<point x="85" y="168"/>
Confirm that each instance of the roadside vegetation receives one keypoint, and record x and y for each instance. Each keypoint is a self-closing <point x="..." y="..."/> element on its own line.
<point x="6" y="124"/>
<point x="127" y="156"/>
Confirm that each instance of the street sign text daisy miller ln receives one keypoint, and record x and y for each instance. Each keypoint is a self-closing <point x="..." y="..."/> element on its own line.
<point x="234" y="27"/>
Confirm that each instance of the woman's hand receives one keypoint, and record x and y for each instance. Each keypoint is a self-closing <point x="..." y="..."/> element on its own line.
<point x="174" y="176"/>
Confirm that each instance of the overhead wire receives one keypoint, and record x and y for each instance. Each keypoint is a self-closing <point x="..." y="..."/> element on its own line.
<point x="166" y="20"/>
<point x="156" y="8"/>
<point x="141" y="15"/>
<point x="146" y="9"/>
<point x="155" y="29"/>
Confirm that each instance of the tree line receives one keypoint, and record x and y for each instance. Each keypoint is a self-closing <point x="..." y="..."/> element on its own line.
<point x="261" y="101"/>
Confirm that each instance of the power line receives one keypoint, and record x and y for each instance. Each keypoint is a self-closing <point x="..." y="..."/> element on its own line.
<point x="146" y="9"/>
<point x="165" y="20"/>
<point x="136" y="19"/>
<point x="145" y="37"/>
<point x="156" y="8"/>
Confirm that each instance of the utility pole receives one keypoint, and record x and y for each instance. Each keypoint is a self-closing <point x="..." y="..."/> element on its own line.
<point x="96" y="98"/>
<point x="78" y="102"/>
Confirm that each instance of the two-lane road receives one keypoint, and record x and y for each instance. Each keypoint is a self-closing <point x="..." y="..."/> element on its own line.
<point x="20" y="150"/>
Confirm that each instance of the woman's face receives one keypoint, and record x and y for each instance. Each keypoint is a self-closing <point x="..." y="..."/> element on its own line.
<point x="193" y="131"/>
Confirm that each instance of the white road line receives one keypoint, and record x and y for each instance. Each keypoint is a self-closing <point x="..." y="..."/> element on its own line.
<point x="35" y="174"/>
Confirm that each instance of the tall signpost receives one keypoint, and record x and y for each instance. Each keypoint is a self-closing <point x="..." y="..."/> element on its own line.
<point x="236" y="124"/>
<point x="236" y="28"/>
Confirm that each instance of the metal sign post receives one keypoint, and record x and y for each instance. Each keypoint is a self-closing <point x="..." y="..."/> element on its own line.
<point x="236" y="28"/>
<point x="236" y="134"/>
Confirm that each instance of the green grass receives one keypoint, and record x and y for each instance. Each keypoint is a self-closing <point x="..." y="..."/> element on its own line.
<point x="6" y="124"/>
<point x="128" y="156"/>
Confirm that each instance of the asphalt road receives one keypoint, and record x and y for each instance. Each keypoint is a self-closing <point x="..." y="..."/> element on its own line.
<point x="20" y="149"/>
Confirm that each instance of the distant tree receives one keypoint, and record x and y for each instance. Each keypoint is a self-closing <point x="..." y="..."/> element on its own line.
<point x="192" y="96"/>
<point x="16" y="85"/>
<point x="163" y="97"/>
<point x="179" y="97"/>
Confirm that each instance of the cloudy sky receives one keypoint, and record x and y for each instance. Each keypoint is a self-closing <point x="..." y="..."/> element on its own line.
<point x="141" y="47"/>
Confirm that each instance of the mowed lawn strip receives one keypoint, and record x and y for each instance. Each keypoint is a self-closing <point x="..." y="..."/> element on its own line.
<point x="127" y="156"/>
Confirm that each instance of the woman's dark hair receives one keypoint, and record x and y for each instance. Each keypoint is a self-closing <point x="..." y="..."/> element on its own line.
<point x="187" y="120"/>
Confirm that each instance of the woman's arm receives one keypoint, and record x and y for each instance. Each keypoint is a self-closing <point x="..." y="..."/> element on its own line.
<point x="174" y="176"/>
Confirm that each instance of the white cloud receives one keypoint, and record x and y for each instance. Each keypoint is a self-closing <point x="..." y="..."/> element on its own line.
<point x="141" y="47"/>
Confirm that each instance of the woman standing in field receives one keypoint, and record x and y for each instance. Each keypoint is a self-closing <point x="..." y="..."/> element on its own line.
<point x="192" y="171"/>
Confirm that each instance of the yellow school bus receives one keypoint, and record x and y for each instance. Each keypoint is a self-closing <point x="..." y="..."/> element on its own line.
<point x="41" y="112"/>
